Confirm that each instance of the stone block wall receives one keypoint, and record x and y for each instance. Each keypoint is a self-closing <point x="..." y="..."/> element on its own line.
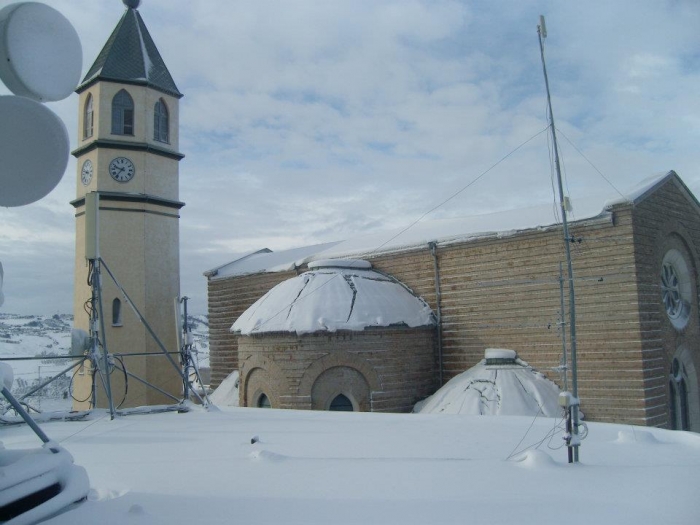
<point x="228" y="298"/>
<point x="379" y="369"/>
<point x="668" y="221"/>
<point x="504" y="291"/>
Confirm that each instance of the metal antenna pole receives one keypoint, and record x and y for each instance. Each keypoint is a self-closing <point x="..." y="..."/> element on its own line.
<point x="564" y="366"/>
<point x="143" y="321"/>
<point x="97" y="325"/>
<point x="542" y="34"/>
<point x="187" y="359"/>
<point x="24" y="415"/>
<point x="97" y="286"/>
<point x="185" y="354"/>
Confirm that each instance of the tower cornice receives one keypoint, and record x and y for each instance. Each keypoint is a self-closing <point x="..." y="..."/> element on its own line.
<point x="140" y="198"/>
<point x="127" y="146"/>
<point x="131" y="82"/>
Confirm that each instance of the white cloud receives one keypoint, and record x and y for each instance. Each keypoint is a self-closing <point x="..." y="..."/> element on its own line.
<point x="311" y="121"/>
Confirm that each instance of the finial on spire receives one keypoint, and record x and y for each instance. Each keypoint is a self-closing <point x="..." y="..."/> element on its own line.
<point x="131" y="4"/>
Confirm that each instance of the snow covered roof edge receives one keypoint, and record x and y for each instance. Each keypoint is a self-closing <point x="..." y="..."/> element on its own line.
<point x="448" y="231"/>
<point x="214" y="271"/>
<point x="268" y="261"/>
<point x="647" y="187"/>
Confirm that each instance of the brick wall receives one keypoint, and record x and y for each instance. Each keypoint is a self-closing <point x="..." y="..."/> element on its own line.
<point x="504" y="292"/>
<point x="668" y="220"/>
<point x="228" y="298"/>
<point x="396" y="368"/>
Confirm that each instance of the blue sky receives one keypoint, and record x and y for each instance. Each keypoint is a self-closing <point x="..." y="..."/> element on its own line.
<point x="314" y="121"/>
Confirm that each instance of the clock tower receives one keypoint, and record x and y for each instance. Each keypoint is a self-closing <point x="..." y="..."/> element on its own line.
<point x="128" y="156"/>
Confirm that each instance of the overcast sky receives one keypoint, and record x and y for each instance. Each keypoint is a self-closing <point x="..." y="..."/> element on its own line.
<point x="314" y="121"/>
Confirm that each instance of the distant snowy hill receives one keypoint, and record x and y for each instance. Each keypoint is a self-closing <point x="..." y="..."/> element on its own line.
<point x="32" y="343"/>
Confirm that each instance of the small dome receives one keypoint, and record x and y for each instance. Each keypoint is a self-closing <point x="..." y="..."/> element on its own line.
<point x="335" y="295"/>
<point x="500" y="385"/>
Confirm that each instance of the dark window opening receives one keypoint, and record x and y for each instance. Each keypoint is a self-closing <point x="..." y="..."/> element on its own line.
<point x="161" y="122"/>
<point x="88" y="118"/>
<point x="122" y="114"/>
<point x="685" y="415"/>
<point x="264" y="401"/>
<point x="116" y="312"/>
<point x="341" y="404"/>
<point x="673" y="411"/>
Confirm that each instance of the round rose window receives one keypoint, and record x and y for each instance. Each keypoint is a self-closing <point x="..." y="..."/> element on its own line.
<point x="676" y="288"/>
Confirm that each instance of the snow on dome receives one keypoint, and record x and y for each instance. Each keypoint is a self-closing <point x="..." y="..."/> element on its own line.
<point x="500" y="353"/>
<point x="330" y="299"/>
<point x="226" y="394"/>
<point x="514" y="389"/>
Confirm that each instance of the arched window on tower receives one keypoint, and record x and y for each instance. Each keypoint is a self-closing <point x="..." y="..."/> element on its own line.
<point x="116" y="312"/>
<point x="161" y="122"/>
<point x="88" y="118"/>
<point x="122" y="114"/>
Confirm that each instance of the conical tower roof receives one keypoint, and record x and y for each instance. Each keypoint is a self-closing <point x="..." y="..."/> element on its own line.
<point x="130" y="56"/>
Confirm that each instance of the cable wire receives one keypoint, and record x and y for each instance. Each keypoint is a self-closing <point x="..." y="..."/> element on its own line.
<point x="126" y="380"/>
<point x="591" y="163"/>
<point x="411" y="225"/>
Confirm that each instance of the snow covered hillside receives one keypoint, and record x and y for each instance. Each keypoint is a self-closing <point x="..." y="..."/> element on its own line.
<point x="325" y="467"/>
<point x="43" y="336"/>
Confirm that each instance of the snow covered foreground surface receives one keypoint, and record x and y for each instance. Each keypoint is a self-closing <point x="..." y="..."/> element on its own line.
<point x="321" y="467"/>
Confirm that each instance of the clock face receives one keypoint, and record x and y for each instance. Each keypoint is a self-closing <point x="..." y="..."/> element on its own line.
<point x="86" y="172"/>
<point x="122" y="169"/>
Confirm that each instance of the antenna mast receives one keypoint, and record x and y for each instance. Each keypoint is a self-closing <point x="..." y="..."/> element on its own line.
<point x="570" y="401"/>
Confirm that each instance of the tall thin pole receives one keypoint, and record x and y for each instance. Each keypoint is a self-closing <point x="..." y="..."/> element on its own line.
<point x="564" y="364"/>
<point x="97" y="287"/>
<point x="542" y="34"/>
<point x="185" y="357"/>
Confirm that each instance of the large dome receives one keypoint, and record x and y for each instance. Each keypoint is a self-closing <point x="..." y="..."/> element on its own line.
<point x="335" y="295"/>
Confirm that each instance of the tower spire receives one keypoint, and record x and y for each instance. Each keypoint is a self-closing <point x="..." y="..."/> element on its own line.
<point x="131" y="57"/>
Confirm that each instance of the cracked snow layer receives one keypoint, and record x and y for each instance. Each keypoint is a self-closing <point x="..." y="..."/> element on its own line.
<point x="495" y="390"/>
<point x="335" y="299"/>
<point x="348" y="279"/>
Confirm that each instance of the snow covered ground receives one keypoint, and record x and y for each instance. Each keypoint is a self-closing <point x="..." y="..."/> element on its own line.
<point x="32" y="336"/>
<point x="322" y="467"/>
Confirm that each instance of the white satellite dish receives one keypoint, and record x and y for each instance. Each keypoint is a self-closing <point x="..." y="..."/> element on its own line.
<point x="80" y="342"/>
<point x="34" y="148"/>
<point x="40" y="52"/>
<point x="7" y="376"/>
